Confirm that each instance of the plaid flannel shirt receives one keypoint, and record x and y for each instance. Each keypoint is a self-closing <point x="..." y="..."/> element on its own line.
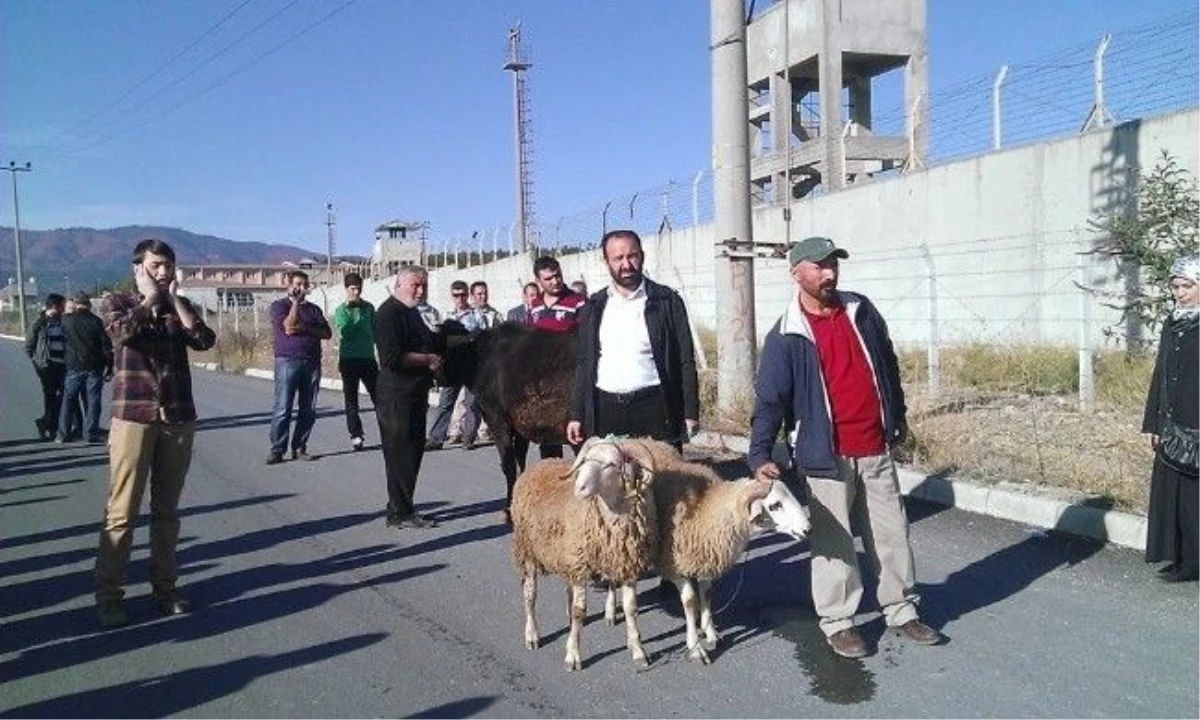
<point x="152" y="380"/>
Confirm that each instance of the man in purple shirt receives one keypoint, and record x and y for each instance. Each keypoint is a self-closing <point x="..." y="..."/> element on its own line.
<point x="297" y="329"/>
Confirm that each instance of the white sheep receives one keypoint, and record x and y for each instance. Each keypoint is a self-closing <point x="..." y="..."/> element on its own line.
<point x="704" y="525"/>
<point x="603" y="525"/>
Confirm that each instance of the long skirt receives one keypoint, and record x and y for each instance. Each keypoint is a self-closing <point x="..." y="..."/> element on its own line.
<point x="1172" y="519"/>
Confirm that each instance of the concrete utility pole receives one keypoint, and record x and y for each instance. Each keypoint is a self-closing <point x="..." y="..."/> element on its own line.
<point x="330" y="223"/>
<point x="736" y="336"/>
<point x="14" y="169"/>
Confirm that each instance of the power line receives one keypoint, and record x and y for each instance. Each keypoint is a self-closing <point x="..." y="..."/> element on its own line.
<point x="225" y="78"/>
<point x="158" y="71"/>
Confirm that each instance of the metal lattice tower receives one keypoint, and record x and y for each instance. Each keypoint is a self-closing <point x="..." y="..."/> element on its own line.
<point x="517" y="62"/>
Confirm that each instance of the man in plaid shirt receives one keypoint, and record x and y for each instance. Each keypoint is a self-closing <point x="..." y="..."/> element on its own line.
<point x="153" y="424"/>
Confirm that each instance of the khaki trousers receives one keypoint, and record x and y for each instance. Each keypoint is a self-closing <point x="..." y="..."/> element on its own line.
<point x="159" y="453"/>
<point x="867" y="493"/>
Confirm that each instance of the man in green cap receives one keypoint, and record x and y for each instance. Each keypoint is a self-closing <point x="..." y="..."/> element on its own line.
<point x="829" y="373"/>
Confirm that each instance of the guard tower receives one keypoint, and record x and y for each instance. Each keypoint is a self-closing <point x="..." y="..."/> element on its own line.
<point x="810" y="64"/>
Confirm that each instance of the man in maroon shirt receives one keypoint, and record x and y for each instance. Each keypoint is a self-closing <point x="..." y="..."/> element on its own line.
<point x="829" y="374"/>
<point x="557" y="309"/>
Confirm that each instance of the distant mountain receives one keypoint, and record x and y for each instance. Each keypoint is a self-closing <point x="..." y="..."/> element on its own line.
<point x="98" y="257"/>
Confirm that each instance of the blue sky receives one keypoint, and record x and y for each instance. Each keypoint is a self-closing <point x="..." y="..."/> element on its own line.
<point x="399" y="108"/>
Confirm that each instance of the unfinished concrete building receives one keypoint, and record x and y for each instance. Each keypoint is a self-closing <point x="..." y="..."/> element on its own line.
<point x="811" y="113"/>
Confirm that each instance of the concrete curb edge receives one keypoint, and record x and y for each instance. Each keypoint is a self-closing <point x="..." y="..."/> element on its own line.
<point x="1024" y="506"/>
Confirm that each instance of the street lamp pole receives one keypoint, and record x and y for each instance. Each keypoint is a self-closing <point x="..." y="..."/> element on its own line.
<point x="14" y="169"/>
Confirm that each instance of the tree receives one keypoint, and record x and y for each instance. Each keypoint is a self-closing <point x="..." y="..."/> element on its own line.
<point x="1160" y="225"/>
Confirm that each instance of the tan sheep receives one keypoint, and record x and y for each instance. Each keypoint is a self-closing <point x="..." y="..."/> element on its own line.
<point x="603" y="524"/>
<point x="705" y="524"/>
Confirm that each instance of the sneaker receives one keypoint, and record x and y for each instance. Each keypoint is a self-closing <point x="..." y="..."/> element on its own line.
<point x="920" y="633"/>
<point x="848" y="643"/>
<point x="356" y="443"/>
<point x="111" y="612"/>
<point x="431" y="445"/>
<point x="274" y="458"/>
<point x="302" y="454"/>
<point x="469" y="445"/>
<point x="454" y="440"/>
<point x="170" y="602"/>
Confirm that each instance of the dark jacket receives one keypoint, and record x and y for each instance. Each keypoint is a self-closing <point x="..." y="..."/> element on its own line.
<point x="37" y="343"/>
<point x="1174" y="393"/>
<point x="674" y="357"/>
<point x="88" y="346"/>
<point x="791" y="389"/>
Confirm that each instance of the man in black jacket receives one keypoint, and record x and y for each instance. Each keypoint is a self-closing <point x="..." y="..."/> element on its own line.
<point x="89" y="359"/>
<point x="636" y="368"/>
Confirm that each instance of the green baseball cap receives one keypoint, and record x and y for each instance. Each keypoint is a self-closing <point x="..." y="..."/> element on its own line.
<point x="814" y="249"/>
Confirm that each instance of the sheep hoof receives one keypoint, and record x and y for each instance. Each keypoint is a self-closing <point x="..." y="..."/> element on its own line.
<point x="709" y="643"/>
<point x="641" y="661"/>
<point x="572" y="664"/>
<point x="531" y="644"/>
<point x="697" y="653"/>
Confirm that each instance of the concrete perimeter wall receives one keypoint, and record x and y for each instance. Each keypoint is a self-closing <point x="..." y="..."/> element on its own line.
<point x="981" y="250"/>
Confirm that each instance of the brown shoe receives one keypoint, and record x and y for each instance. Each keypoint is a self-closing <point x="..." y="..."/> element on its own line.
<point x="848" y="643"/>
<point x="920" y="633"/>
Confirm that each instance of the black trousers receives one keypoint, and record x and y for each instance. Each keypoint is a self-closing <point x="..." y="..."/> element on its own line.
<point x="642" y="413"/>
<point x="52" y="377"/>
<point x="1172" y="533"/>
<point x="352" y="371"/>
<point x="401" y="416"/>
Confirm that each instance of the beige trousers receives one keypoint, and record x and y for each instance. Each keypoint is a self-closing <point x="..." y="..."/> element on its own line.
<point x="867" y="494"/>
<point x="159" y="453"/>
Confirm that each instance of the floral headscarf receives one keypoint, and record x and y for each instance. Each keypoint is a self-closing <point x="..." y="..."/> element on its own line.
<point x="1188" y="268"/>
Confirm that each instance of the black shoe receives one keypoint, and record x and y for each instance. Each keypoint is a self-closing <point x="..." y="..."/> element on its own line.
<point x="469" y="445"/>
<point x="1169" y="569"/>
<point x="302" y="454"/>
<point x="43" y="433"/>
<point x="274" y="458"/>
<point x="394" y="520"/>
<point x="431" y="445"/>
<point x="111" y="613"/>
<point x="170" y="602"/>
<point x="356" y="443"/>
<point x="418" y="521"/>
<point x="1182" y="574"/>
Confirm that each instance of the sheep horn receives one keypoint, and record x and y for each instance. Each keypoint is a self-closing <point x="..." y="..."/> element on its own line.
<point x="757" y="490"/>
<point x="582" y="454"/>
<point x="640" y="453"/>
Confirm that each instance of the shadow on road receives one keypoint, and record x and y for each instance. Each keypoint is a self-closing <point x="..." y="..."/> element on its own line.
<point x="467" y="707"/>
<point x="256" y="418"/>
<point x="175" y="692"/>
<point x="37" y="486"/>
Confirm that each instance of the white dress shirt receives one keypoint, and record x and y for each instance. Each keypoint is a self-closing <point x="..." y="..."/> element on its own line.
<point x="626" y="358"/>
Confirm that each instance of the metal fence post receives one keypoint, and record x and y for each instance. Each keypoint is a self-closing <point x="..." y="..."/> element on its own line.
<point x="996" y="106"/>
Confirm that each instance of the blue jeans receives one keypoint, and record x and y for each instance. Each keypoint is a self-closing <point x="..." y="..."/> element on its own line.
<point x="90" y="384"/>
<point x="294" y="377"/>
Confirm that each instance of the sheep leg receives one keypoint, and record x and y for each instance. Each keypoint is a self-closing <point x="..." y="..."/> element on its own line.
<point x="706" y="618"/>
<point x="610" y="606"/>
<point x="578" y="614"/>
<point x="688" y="597"/>
<point x="529" y="592"/>
<point x="633" y="635"/>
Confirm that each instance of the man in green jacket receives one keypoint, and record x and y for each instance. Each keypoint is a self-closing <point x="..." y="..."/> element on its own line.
<point x="355" y="320"/>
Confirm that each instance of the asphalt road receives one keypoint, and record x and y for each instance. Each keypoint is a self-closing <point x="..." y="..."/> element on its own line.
<point x="308" y="606"/>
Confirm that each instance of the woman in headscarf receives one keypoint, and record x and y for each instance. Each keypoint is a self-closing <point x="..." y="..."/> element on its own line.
<point x="1171" y="424"/>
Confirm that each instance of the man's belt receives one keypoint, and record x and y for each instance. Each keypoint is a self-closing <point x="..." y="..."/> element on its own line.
<point x="632" y="396"/>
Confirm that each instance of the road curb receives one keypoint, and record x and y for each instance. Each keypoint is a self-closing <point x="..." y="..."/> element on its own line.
<point x="1023" y="504"/>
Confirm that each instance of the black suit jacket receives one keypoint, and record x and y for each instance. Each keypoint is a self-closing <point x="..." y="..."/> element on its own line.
<point x="674" y="357"/>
